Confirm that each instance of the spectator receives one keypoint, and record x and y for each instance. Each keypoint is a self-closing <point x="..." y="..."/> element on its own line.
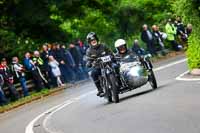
<point x="31" y="66"/>
<point x="171" y="32"/>
<point x="188" y="29"/>
<point x="70" y="64"/>
<point x="60" y="57"/>
<point x="3" y="99"/>
<point x="137" y="49"/>
<point x="179" y="26"/>
<point x="8" y="79"/>
<point x="157" y="38"/>
<point x="45" y="57"/>
<point x="180" y="29"/>
<point x="39" y="63"/>
<point x="55" y="70"/>
<point x="78" y="58"/>
<point x="49" y="46"/>
<point x="19" y="70"/>
<point x="163" y="34"/>
<point x="52" y="50"/>
<point x="82" y="46"/>
<point x="147" y="37"/>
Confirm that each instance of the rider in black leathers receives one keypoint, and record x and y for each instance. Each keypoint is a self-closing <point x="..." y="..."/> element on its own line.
<point x="95" y="51"/>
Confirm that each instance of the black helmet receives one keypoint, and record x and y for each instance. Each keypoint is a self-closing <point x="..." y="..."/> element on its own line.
<point x="92" y="36"/>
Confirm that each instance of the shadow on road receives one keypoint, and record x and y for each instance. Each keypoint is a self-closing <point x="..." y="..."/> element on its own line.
<point x="142" y="93"/>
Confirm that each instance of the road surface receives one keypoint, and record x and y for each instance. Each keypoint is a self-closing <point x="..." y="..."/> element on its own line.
<point x="172" y="108"/>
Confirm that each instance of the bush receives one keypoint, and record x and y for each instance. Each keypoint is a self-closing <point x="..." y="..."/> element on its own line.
<point x="189" y="10"/>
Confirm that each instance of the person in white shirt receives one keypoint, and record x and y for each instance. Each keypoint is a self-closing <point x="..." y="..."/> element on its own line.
<point x="55" y="70"/>
<point x="19" y="72"/>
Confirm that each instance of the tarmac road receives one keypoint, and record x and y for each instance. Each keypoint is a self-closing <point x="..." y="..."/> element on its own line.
<point x="172" y="108"/>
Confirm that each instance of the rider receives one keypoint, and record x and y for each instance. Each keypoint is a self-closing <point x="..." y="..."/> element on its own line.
<point x="95" y="51"/>
<point x="123" y="51"/>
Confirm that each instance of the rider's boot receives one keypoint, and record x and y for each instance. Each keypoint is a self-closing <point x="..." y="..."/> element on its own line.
<point x="100" y="93"/>
<point x="99" y="89"/>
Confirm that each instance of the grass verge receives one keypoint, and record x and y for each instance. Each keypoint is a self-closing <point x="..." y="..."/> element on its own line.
<point x="33" y="96"/>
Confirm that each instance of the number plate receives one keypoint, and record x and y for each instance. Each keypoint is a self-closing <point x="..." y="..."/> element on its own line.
<point x="106" y="59"/>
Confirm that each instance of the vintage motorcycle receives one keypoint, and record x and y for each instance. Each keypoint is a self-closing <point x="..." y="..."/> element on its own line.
<point x="129" y="74"/>
<point x="109" y="78"/>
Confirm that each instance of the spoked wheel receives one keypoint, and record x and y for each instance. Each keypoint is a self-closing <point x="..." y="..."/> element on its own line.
<point x="152" y="80"/>
<point x="114" y="90"/>
<point x="105" y="86"/>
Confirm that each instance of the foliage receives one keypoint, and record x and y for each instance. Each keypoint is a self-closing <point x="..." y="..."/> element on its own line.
<point x="189" y="10"/>
<point x="66" y="20"/>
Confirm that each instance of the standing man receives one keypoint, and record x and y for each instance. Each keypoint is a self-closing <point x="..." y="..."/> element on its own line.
<point x="157" y="39"/>
<point x="45" y="57"/>
<point x="171" y="32"/>
<point x="78" y="59"/>
<point x="39" y="63"/>
<point x="147" y="37"/>
<point x="60" y="57"/>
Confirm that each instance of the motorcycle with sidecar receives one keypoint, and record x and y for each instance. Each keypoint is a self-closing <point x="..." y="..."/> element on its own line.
<point x="129" y="74"/>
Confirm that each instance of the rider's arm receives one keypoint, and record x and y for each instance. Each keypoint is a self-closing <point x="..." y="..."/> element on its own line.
<point x="89" y="59"/>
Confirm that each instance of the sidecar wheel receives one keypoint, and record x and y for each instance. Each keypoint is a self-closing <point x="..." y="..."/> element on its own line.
<point x="109" y="97"/>
<point x="114" y="90"/>
<point x="152" y="80"/>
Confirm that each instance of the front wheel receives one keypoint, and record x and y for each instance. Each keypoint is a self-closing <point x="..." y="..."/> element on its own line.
<point x="152" y="80"/>
<point x="114" y="90"/>
<point x="107" y="91"/>
<point x="109" y="96"/>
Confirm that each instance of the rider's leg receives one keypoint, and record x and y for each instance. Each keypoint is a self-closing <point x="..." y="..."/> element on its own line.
<point x="95" y="73"/>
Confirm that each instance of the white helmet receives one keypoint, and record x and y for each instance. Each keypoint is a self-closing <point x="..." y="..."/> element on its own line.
<point x="120" y="42"/>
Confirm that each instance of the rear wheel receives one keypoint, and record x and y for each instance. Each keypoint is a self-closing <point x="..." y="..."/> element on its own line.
<point x="152" y="80"/>
<point x="114" y="90"/>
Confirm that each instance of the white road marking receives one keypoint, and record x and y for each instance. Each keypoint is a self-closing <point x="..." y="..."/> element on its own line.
<point x="68" y="102"/>
<point x="29" y="128"/>
<point x="169" y="65"/>
<point x="180" y="77"/>
<point x="51" y="111"/>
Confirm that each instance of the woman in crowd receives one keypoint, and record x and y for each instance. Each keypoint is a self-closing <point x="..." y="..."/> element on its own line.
<point x="55" y="70"/>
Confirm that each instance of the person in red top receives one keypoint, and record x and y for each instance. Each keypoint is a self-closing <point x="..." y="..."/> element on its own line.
<point x="8" y="79"/>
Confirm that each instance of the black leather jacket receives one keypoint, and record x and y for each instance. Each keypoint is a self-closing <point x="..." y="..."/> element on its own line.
<point x="93" y="53"/>
<point x="129" y="52"/>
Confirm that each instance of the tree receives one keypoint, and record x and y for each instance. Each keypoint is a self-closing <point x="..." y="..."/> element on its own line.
<point x="36" y="22"/>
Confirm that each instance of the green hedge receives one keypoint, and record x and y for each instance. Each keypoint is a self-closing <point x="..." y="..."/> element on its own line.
<point x="189" y="10"/>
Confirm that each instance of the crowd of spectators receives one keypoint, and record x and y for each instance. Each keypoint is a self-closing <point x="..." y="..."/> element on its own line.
<point x="55" y="64"/>
<point x="175" y="34"/>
